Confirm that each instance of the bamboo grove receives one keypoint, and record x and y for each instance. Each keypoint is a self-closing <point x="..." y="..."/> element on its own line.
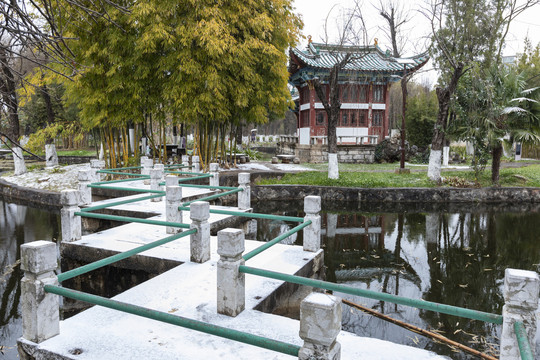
<point x="201" y="65"/>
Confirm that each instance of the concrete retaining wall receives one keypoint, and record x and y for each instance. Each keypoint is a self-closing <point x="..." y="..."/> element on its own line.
<point x="318" y="153"/>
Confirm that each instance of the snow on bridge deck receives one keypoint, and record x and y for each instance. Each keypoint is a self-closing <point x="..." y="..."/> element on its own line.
<point x="190" y="290"/>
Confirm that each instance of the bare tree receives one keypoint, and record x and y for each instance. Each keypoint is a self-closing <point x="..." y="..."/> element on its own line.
<point x="396" y="16"/>
<point x="351" y="27"/>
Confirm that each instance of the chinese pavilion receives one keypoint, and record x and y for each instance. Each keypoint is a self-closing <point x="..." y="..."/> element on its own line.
<point x="363" y="86"/>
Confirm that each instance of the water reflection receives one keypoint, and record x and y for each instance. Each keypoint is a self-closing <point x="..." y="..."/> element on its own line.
<point x="455" y="258"/>
<point x="18" y="224"/>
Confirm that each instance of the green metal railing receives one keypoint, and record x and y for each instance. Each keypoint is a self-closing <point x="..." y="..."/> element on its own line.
<point x="118" y="257"/>
<point x="420" y="304"/>
<point x="121" y="180"/>
<point x="111" y="172"/>
<point x="523" y="342"/>
<point x="131" y="219"/>
<point x="99" y="186"/>
<point x="122" y="202"/>
<point x="204" y="186"/>
<point x="213" y="197"/>
<point x="250" y="215"/>
<point x="273" y="242"/>
<point x="184" y="173"/>
<point x="265" y="343"/>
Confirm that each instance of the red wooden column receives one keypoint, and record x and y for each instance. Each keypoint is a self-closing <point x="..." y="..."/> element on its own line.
<point x="386" y="119"/>
<point x="312" y="100"/>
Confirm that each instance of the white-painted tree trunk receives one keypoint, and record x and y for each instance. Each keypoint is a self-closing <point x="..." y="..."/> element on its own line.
<point x="101" y="152"/>
<point x="333" y="169"/>
<point x="434" y="168"/>
<point x="132" y="140"/>
<point x="18" y="161"/>
<point x="51" y="158"/>
<point x="446" y="155"/>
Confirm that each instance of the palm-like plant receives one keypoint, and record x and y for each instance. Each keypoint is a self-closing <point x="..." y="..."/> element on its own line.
<point x="493" y="106"/>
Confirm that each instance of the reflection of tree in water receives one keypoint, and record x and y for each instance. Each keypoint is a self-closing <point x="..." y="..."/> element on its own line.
<point x="459" y="259"/>
<point x="18" y="225"/>
<point x="463" y="272"/>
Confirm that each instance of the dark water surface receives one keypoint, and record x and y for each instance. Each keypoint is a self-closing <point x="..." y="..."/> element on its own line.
<point x="456" y="258"/>
<point x="19" y="224"/>
<point x="453" y="256"/>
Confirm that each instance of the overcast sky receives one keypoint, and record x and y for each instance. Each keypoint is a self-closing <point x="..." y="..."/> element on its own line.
<point x="314" y="13"/>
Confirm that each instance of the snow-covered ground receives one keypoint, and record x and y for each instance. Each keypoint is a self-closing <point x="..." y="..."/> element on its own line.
<point x="65" y="177"/>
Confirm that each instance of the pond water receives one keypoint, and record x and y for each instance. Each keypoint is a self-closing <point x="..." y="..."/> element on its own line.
<point x="452" y="256"/>
<point x="18" y="224"/>
<point x="455" y="257"/>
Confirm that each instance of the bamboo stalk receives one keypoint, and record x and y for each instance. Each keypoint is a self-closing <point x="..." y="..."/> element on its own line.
<point x="419" y="330"/>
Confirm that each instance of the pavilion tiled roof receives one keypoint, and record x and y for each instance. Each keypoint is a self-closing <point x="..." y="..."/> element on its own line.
<point x="364" y="58"/>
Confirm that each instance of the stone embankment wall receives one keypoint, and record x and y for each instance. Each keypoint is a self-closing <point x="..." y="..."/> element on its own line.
<point x="317" y="153"/>
<point x="397" y="195"/>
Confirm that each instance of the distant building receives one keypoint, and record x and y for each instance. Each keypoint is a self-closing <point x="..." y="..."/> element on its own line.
<point x="364" y="85"/>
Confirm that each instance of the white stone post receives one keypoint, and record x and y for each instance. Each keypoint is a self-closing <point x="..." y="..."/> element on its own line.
<point x="85" y="192"/>
<point x="312" y="233"/>
<point x="40" y="310"/>
<point x="18" y="161"/>
<point x="432" y="228"/>
<point x="71" y="223"/>
<point x="156" y="175"/>
<point x="51" y="158"/>
<point x="520" y="293"/>
<point x="185" y="162"/>
<point x="196" y="164"/>
<point x="147" y="165"/>
<point x="244" y="196"/>
<point x="320" y="324"/>
<point x="173" y="197"/>
<point x="231" y="283"/>
<point x="214" y="171"/>
<point x="199" y="244"/>
<point x="446" y="155"/>
<point x="97" y="165"/>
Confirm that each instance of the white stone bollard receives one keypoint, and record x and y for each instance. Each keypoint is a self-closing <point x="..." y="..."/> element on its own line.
<point x="231" y="283"/>
<point x="320" y="324"/>
<point x="40" y="310"/>
<point x="520" y="293"/>
<point x="71" y="223"/>
<point x="196" y="164"/>
<point x="156" y="175"/>
<point x="97" y="165"/>
<point x="173" y="197"/>
<point x="214" y="171"/>
<point x="18" y="161"/>
<point x="312" y="233"/>
<point x="185" y="162"/>
<point x="85" y="192"/>
<point x="147" y="165"/>
<point x="199" y="244"/>
<point x="51" y="158"/>
<point x="244" y="196"/>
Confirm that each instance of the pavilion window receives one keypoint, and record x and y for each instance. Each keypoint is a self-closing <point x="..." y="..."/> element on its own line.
<point x="362" y="94"/>
<point x="362" y="118"/>
<point x="353" y="119"/>
<point x="345" y="93"/>
<point x="378" y="93"/>
<point x="319" y="120"/>
<point x="344" y="118"/>
<point x="377" y="118"/>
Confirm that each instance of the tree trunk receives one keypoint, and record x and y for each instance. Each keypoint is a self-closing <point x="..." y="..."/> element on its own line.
<point x="496" y="163"/>
<point x="443" y="96"/>
<point x="49" y="109"/>
<point x="9" y="96"/>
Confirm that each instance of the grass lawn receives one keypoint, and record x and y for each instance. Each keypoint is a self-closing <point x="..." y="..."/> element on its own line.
<point x="381" y="175"/>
